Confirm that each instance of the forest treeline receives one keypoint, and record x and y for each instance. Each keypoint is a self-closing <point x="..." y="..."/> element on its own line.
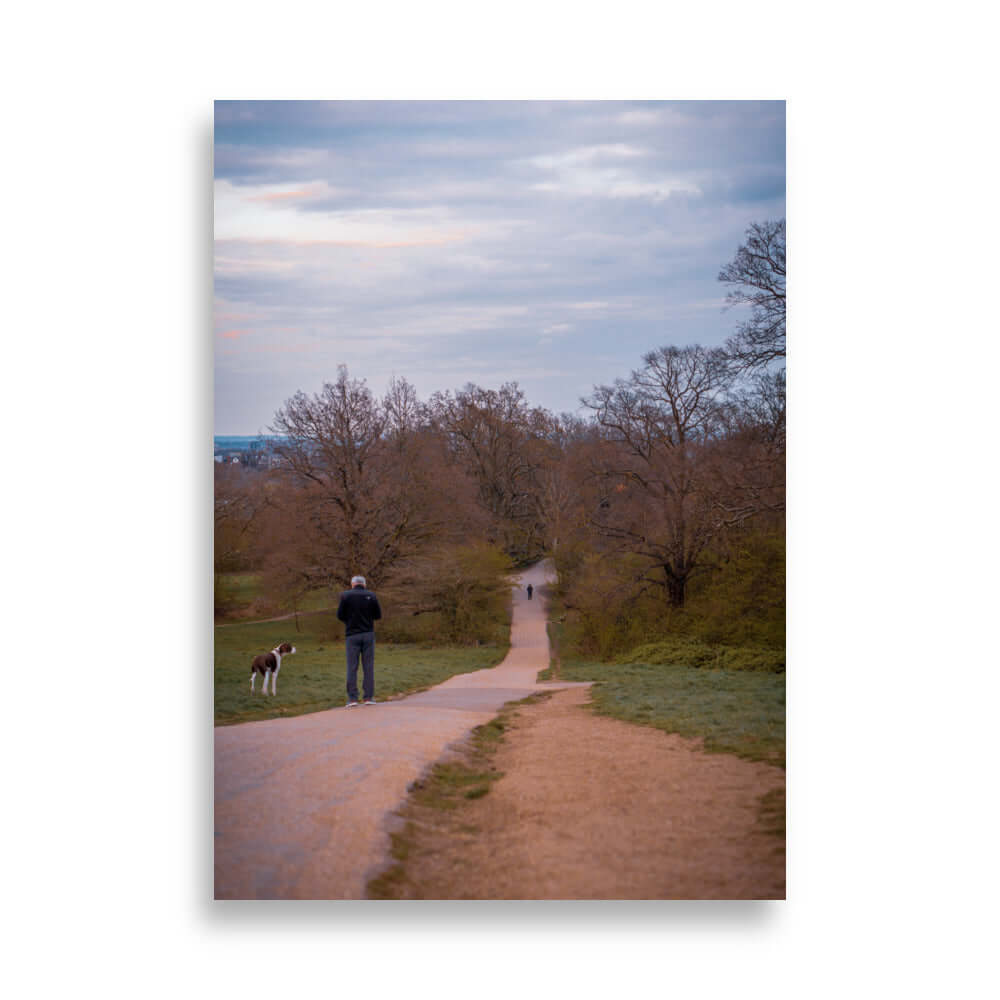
<point x="662" y="506"/>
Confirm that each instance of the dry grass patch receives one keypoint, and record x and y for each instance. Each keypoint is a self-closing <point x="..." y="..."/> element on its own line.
<point x="437" y="811"/>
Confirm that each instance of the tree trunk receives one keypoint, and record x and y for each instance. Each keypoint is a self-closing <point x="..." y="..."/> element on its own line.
<point x="675" y="590"/>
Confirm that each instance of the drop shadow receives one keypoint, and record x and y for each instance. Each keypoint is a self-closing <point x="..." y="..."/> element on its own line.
<point x="473" y="916"/>
<point x="202" y="451"/>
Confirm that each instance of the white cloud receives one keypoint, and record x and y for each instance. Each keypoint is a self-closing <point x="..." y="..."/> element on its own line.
<point x="602" y="171"/>
<point x="615" y="184"/>
<point x="277" y="194"/>
<point x="584" y="155"/>
<point x="418" y="323"/>
<point x="236" y="265"/>
<point x="639" y="117"/>
<point x="249" y="212"/>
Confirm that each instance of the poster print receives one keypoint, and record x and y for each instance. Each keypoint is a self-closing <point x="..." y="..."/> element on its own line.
<point x="499" y="500"/>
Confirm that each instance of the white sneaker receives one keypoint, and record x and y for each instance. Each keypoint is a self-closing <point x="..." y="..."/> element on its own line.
<point x="351" y="704"/>
<point x="370" y="701"/>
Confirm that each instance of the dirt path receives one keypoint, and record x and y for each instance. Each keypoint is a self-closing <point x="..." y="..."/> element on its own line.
<point x="594" y="808"/>
<point x="301" y="804"/>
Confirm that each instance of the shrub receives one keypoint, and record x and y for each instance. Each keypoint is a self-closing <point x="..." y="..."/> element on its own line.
<point x="688" y="652"/>
<point x="457" y="594"/>
<point x="736" y="601"/>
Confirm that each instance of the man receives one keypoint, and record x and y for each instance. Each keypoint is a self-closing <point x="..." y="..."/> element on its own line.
<point x="530" y="590"/>
<point x="359" y="610"/>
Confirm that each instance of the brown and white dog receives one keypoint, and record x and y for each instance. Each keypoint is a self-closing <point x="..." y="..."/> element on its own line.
<point x="268" y="664"/>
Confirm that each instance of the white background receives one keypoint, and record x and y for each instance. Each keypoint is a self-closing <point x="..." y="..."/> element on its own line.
<point x="108" y="372"/>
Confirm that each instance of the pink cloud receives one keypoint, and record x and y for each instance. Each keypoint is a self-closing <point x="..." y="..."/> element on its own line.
<point x="282" y="195"/>
<point x="359" y="244"/>
<point x="234" y="334"/>
<point x="282" y="349"/>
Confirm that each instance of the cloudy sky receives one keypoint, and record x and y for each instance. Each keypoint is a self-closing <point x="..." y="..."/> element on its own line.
<point x="449" y="242"/>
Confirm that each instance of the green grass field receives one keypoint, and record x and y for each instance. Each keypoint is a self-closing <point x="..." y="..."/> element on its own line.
<point x="732" y="711"/>
<point x="313" y="679"/>
<point x="238" y="595"/>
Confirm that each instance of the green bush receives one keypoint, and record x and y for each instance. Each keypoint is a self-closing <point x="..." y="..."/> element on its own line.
<point x="471" y="592"/>
<point x="405" y="628"/>
<point x="740" y="598"/>
<point x="458" y="594"/>
<point x="734" y="614"/>
<point x="687" y="652"/>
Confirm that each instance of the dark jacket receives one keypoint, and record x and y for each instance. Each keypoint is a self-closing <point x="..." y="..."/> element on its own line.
<point x="359" y="610"/>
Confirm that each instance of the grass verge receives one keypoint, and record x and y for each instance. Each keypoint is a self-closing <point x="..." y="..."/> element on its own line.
<point x="240" y="596"/>
<point x="438" y="805"/>
<point x="733" y="699"/>
<point x="731" y="711"/>
<point x="555" y="629"/>
<point x="313" y="679"/>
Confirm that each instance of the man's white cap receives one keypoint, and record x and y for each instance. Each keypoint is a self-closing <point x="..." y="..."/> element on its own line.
<point x="355" y="580"/>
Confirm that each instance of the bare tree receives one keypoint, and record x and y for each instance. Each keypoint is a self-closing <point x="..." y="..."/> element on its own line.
<point x="747" y="460"/>
<point x="239" y="502"/>
<point x="561" y="475"/>
<point x="494" y="435"/>
<point x="659" y="500"/>
<point x="757" y="277"/>
<point x="403" y="410"/>
<point x="359" y="511"/>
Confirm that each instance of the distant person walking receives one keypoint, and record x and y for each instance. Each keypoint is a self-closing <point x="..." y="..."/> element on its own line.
<point x="531" y="590"/>
<point x="359" y="610"/>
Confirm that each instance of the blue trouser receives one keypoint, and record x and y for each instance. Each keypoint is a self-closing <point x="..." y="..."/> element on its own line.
<point x="361" y="645"/>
